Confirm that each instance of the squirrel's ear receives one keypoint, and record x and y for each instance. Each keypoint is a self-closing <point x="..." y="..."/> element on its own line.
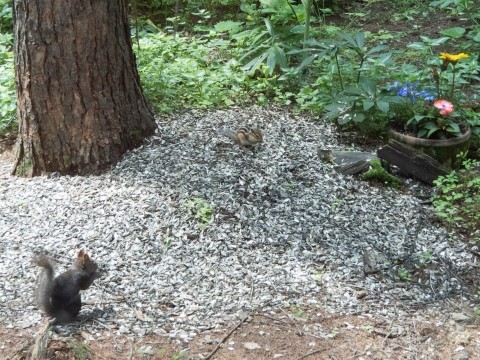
<point x="81" y="253"/>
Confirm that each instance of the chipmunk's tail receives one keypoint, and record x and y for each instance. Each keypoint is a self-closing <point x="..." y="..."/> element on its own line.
<point x="227" y="132"/>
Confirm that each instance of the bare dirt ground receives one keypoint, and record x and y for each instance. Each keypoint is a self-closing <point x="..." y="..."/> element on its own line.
<point x="285" y="334"/>
<point x="291" y="334"/>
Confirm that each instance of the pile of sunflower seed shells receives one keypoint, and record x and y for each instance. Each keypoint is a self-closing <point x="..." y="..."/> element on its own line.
<point x="190" y="230"/>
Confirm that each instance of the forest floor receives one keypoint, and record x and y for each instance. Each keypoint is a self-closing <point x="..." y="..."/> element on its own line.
<point x="283" y="335"/>
<point x="439" y="333"/>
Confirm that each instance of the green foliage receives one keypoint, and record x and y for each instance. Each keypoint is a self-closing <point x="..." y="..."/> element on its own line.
<point x="472" y="118"/>
<point x="447" y="80"/>
<point x="378" y="174"/>
<point x="404" y="274"/>
<point x="202" y="211"/>
<point x="457" y="202"/>
<point x="81" y="351"/>
<point x="459" y="7"/>
<point x="189" y="13"/>
<point x="267" y="46"/>
<point x="360" y="101"/>
<point x="188" y="72"/>
<point x="6" y="16"/>
<point x="357" y="102"/>
<point x="8" y="123"/>
<point x="248" y="51"/>
<point x="425" y="258"/>
<point x="275" y="28"/>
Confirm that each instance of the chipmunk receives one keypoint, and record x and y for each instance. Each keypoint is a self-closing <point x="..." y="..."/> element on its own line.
<point x="244" y="136"/>
<point x="59" y="297"/>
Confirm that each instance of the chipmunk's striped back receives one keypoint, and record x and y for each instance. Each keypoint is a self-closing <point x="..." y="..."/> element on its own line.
<point x="244" y="135"/>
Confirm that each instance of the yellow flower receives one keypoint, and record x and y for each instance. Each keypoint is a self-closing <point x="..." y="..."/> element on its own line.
<point x="453" y="58"/>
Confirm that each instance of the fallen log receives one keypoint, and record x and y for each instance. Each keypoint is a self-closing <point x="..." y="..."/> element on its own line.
<point x="412" y="161"/>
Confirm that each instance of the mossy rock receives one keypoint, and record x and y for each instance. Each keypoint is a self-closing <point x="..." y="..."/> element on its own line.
<point x="379" y="175"/>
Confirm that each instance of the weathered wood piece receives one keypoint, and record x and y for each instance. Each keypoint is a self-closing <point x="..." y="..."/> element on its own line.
<point x="354" y="168"/>
<point x="352" y="162"/>
<point x="344" y="157"/>
<point x="412" y="161"/>
<point x="347" y="162"/>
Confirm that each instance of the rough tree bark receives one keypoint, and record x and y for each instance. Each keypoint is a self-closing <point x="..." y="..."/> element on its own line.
<point x="79" y="100"/>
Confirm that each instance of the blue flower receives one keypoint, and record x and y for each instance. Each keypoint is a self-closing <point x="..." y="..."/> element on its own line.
<point x="427" y="96"/>
<point x="411" y="92"/>
<point x="403" y="92"/>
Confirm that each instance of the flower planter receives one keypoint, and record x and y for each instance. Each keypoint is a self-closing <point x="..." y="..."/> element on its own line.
<point x="445" y="151"/>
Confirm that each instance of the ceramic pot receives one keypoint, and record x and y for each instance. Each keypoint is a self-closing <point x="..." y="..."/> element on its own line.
<point x="445" y="151"/>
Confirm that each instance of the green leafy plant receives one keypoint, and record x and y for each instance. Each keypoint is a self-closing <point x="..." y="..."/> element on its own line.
<point x="424" y="110"/>
<point x="267" y="46"/>
<point x="457" y="201"/>
<point x="404" y="274"/>
<point x="469" y="7"/>
<point x="180" y="355"/>
<point x="6" y="16"/>
<point x="359" y="102"/>
<point x="362" y="100"/>
<point x="425" y="257"/>
<point x="178" y="72"/>
<point x="8" y="109"/>
<point x="202" y="211"/>
<point x="298" y="312"/>
<point x="82" y="351"/>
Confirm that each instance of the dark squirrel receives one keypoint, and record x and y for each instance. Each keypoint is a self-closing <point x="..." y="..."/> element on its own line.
<point x="59" y="297"/>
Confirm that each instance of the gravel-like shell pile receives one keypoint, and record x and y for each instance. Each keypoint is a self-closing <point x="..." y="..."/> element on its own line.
<point x="285" y="229"/>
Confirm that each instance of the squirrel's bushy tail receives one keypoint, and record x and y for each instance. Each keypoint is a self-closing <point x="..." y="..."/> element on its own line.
<point x="44" y="284"/>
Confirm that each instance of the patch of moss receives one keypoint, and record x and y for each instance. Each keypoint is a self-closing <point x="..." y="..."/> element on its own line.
<point x="24" y="168"/>
<point x="378" y="174"/>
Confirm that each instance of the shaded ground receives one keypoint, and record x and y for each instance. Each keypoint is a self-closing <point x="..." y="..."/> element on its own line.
<point x="283" y="334"/>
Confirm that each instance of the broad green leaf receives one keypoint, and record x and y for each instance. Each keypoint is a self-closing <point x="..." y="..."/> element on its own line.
<point x="422" y="132"/>
<point x="383" y="106"/>
<point x="430" y="132"/>
<point x="477" y="37"/>
<point x="271" y="61"/>
<point x="298" y="51"/>
<point x="307" y="61"/>
<point x="360" y="39"/>
<point x="269" y="25"/>
<point x="354" y="90"/>
<point x="358" y="117"/>
<point x="253" y="64"/>
<point x="368" y="85"/>
<point x="299" y="29"/>
<point x="347" y="38"/>
<point x="367" y="104"/>
<point x="453" y="128"/>
<point x="439" y="41"/>
<point x="455" y="32"/>
<point x="228" y="26"/>
<point x="345" y="119"/>
<point x="418" y="46"/>
<point x="376" y="49"/>
<point x="280" y="56"/>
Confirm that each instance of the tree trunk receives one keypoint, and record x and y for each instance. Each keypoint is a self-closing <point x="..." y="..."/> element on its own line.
<point x="79" y="101"/>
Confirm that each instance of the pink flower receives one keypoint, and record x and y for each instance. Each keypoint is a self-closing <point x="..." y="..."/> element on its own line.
<point x="445" y="107"/>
